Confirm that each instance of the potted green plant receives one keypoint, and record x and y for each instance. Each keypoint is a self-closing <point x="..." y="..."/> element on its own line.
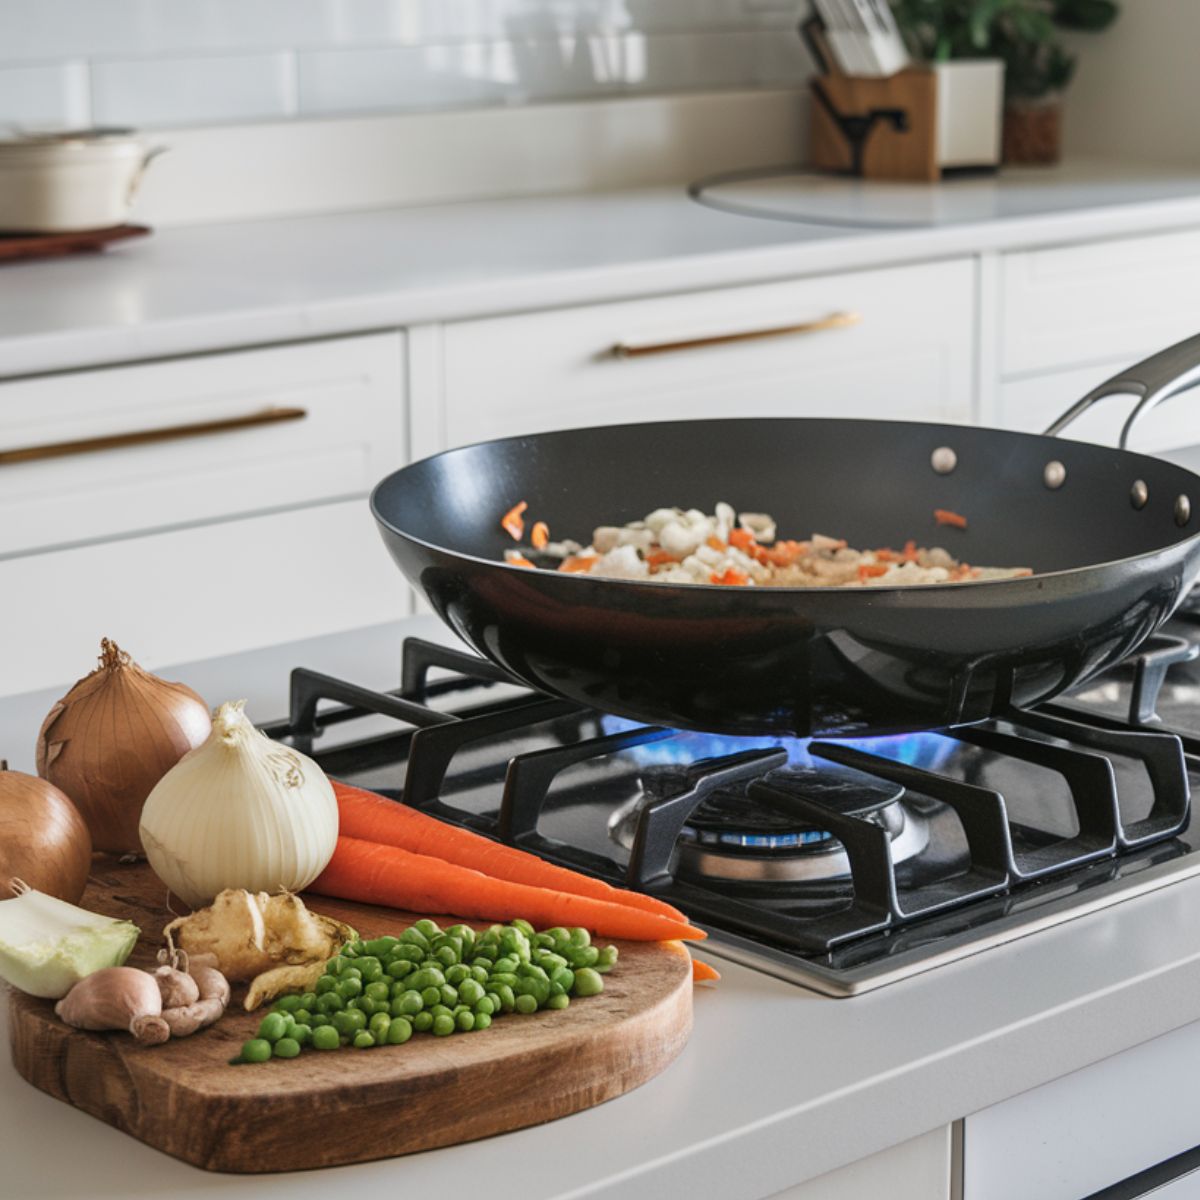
<point x="1024" y="35"/>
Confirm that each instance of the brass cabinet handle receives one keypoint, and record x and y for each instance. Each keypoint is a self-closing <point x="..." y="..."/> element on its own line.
<point x="143" y="437"/>
<point x="837" y="320"/>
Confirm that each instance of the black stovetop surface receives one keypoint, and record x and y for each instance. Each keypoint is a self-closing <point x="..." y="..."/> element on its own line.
<point x="559" y="781"/>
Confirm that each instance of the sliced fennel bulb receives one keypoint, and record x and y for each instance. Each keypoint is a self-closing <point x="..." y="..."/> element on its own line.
<point x="47" y="946"/>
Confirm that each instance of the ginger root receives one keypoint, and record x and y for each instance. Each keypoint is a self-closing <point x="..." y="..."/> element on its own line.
<point x="251" y="935"/>
<point x="280" y="980"/>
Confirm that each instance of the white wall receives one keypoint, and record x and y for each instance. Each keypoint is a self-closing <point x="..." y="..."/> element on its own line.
<point x="1136" y="94"/>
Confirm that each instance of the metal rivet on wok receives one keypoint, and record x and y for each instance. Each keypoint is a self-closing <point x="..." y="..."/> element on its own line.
<point x="1055" y="474"/>
<point x="944" y="460"/>
<point x="1139" y="493"/>
<point x="1183" y="510"/>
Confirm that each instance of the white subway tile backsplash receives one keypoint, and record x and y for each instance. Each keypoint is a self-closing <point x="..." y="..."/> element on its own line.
<point x="192" y="91"/>
<point x="45" y="97"/>
<point x="157" y="62"/>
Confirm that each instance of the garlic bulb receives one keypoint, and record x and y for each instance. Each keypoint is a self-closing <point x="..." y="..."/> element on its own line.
<point x="239" y="811"/>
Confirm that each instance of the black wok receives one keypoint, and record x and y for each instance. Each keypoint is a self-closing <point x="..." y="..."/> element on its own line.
<point x="1110" y="535"/>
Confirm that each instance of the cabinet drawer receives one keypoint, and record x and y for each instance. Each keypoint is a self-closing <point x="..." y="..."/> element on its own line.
<point x="907" y="354"/>
<point x="213" y="437"/>
<point x="195" y="593"/>
<point x="1105" y="301"/>
<point x="1031" y="404"/>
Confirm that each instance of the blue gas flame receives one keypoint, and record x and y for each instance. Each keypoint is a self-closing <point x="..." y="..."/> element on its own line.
<point x="928" y="750"/>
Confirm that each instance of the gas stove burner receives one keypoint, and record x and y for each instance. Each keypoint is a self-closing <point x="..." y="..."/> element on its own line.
<point x="734" y="837"/>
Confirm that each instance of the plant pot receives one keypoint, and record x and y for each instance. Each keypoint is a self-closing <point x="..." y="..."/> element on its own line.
<point x="1033" y="132"/>
<point x="970" y="103"/>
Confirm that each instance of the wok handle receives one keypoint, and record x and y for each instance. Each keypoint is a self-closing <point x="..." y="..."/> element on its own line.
<point x="1153" y="380"/>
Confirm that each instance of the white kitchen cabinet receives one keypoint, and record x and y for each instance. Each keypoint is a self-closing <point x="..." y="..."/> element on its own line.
<point x="208" y="542"/>
<point x="1067" y="306"/>
<point x="194" y="593"/>
<point x="1091" y="1129"/>
<point x="305" y="423"/>
<point x="895" y="343"/>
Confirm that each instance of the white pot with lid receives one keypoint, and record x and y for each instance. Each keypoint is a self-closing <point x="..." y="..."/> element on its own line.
<point x="67" y="182"/>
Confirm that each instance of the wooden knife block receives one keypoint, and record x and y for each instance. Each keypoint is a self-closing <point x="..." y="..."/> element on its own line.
<point x="888" y="153"/>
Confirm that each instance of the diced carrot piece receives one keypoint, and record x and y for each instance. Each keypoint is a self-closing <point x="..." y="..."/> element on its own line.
<point x="872" y="570"/>
<point x="579" y="563"/>
<point x="515" y="558"/>
<point x="731" y="578"/>
<point x="943" y="516"/>
<point x="887" y="556"/>
<point x="782" y="554"/>
<point x="910" y="551"/>
<point x="512" y="523"/>
<point x="658" y="558"/>
<point x="703" y="973"/>
<point x="743" y="539"/>
<point x="715" y="543"/>
<point x="539" y="535"/>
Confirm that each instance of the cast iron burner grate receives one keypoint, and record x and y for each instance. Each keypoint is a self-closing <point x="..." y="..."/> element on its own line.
<point x="998" y="855"/>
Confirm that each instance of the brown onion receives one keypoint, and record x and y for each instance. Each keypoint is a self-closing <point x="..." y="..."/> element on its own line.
<point x="43" y="839"/>
<point x="112" y="737"/>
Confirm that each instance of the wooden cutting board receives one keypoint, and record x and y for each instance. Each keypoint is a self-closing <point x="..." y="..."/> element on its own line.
<point x="185" y="1099"/>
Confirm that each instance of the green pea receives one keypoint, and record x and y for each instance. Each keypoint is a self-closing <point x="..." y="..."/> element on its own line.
<point x="526" y="1004"/>
<point x="539" y="989"/>
<point x="302" y="1033"/>
<point x="363" y="1040"/>
<point x="426" y="977"/>
<point x="506" y="965"/>
<point x="308" y="1000"/>
<point x="457" y="973"/>
<point x="350" y="971"/>
<point x="256" y="1050"/>
<point x="349" y="1021"/>
<point x="325" y="1037"/>
<point x="583" y="956"/>
<point x="318" y="1020"/>
<point x="422" y="1022"/>
<point x="465" y="1021"/>
<point x="551" y="962"/>
<point x="471" y="992"/>
<point x="580" y="937"/>
<point x="379" y="1025"/>
<point x="349" y="988"/>
<point x="408" y="952"/>
<point x="464" y="933"/>
<point x="382" y="945"/>
<point x="399" y="1031"/>
<point x="559" y="1001"/>
<point x="431" y="996"/>
<point x="272" y="1027"/>
<point x="524" y="926"/>
<point x="481" y="963"/>
<point x="301" y="1016"/>
<point x="559" y="934"/>
<point x="399" y="968"/>
<point x="357" y="948"/>
<point x="330" y="1002"/>
<point x="494" y="997"/>
<point x="542" y="941"/>
<point x="325" y="984"/>
<point x="411" y="1002"/>
<point x="588" y="982"/>
<point x="606" y="959"/>
<point x="479" y="974"/>
<point x="515" y="943"/>
<point x="482" y="1020"/>
<point x="443" y="1025"/>
<point x="378" y="990"/>
<point x="427" y="927"/>
<point x="564" y="977"/>
<point x="447" y="956"/>
<point x="449" y="995"/>
<point x="506" y="977"/>
<point x="415" y="938"/>
<point x="484" y="1007"/>
<point x="287" y="1004"/>
<point x="335" y="964"/>
<point x="372" y="972"/>
<point x="286" y="1047"/>
<point x="531" y="970"/>
<point x="506" y="996"/>
<point x="442" y="1010"/>
<point x="367" y="1005"/>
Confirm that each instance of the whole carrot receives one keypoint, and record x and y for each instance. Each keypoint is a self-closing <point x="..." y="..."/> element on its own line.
<point x="387" y="875"/>
<point x="375" y="818"/>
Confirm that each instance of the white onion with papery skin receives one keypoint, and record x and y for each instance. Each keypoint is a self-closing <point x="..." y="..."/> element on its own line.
<point x="112" y="737"/>
<point x="43" y="839"/>
<point x="240" y="811"/>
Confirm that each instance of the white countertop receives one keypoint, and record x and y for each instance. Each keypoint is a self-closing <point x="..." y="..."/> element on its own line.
<point x="776" y="1086"/>
<point x="207" y="287"/>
